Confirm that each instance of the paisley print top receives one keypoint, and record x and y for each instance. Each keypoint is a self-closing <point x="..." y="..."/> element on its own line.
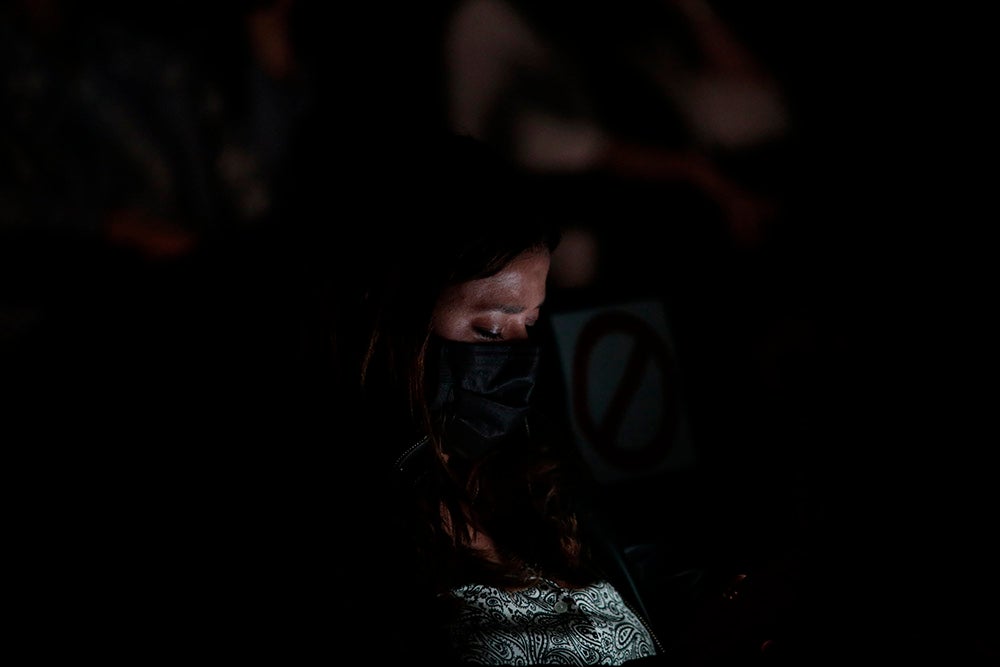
<point x="547" y="624"/>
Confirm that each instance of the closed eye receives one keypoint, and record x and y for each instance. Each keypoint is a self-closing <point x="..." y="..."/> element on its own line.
<point x="488" y="334"/>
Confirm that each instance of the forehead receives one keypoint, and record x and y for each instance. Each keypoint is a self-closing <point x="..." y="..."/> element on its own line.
<point x="520" y="283"/>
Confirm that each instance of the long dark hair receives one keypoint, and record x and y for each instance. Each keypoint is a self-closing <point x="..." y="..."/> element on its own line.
<point x="484" y="213"/>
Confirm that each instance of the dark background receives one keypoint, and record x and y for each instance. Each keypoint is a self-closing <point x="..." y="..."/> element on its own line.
<point x="170" y="426"/>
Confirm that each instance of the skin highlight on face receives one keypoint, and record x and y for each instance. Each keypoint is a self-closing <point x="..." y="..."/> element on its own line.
<point x="499" y="308"/>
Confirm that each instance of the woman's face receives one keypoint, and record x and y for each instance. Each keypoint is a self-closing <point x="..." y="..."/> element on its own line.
<point x="498" y="308"/>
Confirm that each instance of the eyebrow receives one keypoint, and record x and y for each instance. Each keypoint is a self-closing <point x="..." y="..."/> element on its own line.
<point x="508" y="309"/>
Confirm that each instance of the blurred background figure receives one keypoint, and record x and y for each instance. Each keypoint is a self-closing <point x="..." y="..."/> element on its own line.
<point x="150" y="129"/>
<point x="146" y="320"/>
<point x="140" y="149"/>
<point x="659" y="91"/>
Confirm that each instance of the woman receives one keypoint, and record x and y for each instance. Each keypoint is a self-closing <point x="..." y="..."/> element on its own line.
<point x="485" y="534"/>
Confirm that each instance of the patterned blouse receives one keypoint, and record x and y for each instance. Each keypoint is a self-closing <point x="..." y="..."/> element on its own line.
<point x="547" y="624"/>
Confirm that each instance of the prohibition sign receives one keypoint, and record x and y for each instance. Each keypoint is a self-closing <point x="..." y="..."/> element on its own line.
<point x="648" y="348"/>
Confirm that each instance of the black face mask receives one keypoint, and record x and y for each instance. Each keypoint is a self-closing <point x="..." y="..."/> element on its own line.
<point x="483" y="392"/>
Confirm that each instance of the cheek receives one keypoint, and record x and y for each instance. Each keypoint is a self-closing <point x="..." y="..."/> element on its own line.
<point x="446" y="328"/>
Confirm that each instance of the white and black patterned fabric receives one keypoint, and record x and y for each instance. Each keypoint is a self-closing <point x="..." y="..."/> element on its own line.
<point x="547" y="624"/>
